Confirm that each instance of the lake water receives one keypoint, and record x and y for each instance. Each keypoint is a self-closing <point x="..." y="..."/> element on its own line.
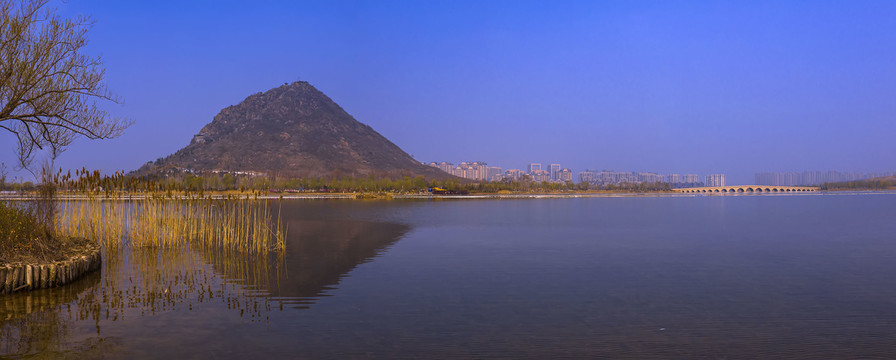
<point x="753" y="276"/>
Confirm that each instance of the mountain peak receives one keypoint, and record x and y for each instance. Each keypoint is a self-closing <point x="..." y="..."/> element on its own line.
<point x="293" y="130"/>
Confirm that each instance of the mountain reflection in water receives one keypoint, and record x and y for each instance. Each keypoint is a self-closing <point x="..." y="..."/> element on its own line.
<point x="186" y="283"/>
<point x="318" y="254"/>
<point x="753" y="277"/>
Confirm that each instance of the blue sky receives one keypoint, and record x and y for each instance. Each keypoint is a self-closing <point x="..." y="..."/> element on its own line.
<point x="665" y="86"/>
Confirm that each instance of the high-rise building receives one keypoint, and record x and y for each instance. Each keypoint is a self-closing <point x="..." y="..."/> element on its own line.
<point x="533" y="167"/>
<point x="690" y="179"/>
<point x="606" y="177"/>
<point x="513" y="174"/>
<point x="473" y="170"/>
<point x="494" y="173"/>
<point x="540" y="175"/>
<point x="444" y="166"/>
<point x="673" y="178"/>
<point x="766" y="178"/>
<point x="588" y="176"/>
<point x="648" y="177"/>
<point x="555" y="170"/>
<point x="714" y="180"/>
<point x="564" y="175"/>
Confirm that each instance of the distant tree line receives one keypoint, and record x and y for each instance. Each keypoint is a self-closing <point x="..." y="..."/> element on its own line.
<point x="202" y="182"/>
<point x="225" y="182"/>
<point x="870" y="184"/>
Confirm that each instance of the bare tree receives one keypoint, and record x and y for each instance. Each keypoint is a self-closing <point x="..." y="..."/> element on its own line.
<point x="2" y="176"/>
<point x="49" y="89"/>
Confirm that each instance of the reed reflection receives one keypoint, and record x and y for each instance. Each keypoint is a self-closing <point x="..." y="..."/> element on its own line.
<point x="151" y="281"/>
<point x="38" y="321"/>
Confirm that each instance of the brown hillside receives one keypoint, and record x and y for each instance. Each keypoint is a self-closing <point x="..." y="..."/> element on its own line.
<point x="296" y="131"/>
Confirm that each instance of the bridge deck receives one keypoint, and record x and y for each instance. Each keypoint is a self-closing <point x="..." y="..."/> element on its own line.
<point x="746" y="189"/>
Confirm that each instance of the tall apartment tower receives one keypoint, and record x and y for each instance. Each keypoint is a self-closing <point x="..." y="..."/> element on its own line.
<point x="494" y="173"/>
<point x="690" y="179"/>
<point x="513" y="174"/>
<point x="533" y="167"/>
<point x="555" y="171"/>
<point x="564" y="175"/>
<point x="715" y="180"/>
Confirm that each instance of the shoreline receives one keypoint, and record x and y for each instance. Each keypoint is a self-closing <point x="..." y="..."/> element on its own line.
<point x="26" y="276"/>
<point x="424" y="196"/>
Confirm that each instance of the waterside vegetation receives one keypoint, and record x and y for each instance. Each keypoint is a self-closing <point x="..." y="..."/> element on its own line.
<point x="235" y="184"/>
<point x="103" y="209"/>
<point x="888" y="183"/>
<point x="28" y="233"/>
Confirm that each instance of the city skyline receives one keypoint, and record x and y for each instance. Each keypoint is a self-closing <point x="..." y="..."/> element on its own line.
<point x="481" y="170"/>
<point x="813" y="177"/>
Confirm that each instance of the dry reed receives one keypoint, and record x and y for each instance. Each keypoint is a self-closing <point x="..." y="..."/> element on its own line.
<point x="246" y="225"/>
<point x="105" y="208"/>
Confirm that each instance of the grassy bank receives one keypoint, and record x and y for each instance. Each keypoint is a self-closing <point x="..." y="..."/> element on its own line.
<point x="25" y="239"/>
<point x="47" y="225"/>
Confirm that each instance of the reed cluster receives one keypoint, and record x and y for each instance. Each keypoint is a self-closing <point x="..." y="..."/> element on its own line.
<point x="247" y="225"/>
<point x="103" y="221"/>
<point x="237" y="223"/>
<point x="118" y="210"/>
<point x="141" y="212"/>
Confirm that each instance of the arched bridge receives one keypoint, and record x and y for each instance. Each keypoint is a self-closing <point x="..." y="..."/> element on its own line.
<point x="747" y="189"/>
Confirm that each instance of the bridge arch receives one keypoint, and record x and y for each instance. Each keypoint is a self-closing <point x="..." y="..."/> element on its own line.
<point x="746" y="189"/>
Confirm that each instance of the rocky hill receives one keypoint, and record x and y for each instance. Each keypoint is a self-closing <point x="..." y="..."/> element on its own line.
<point x="293" y="131"/>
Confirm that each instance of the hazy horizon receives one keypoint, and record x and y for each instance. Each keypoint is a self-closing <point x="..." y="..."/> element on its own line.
<point x="723" y="87"/>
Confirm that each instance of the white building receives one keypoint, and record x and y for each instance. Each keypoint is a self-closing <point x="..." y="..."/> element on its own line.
<point x="714" y="180"/>
<point x="690" y="179"/>
<point x="564" y="175"/>
<point x="533" y="167"/>
<point x="444" y="166"/>
<point x="494" y="173"/>
<point x="540" y="175"/>
<point x="513" y="174"/>
<point x="555" y="170"/>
